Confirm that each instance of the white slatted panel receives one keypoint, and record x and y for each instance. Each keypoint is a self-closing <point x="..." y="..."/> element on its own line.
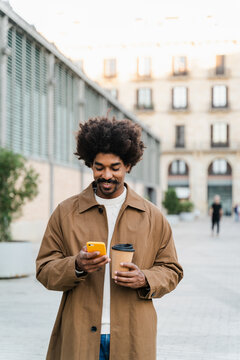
<point x="27" y="121"/>
<point x="28" y="110"/>
<point x="64" y="114"/>
<point x="44" y="103"/>
<point x="9" y="97"/>
<point x="93" y="103"/>
<point x="36" y="100"/>
<point x="17" y="120"/>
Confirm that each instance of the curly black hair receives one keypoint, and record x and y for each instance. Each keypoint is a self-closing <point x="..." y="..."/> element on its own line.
<point x="109" y="136"/>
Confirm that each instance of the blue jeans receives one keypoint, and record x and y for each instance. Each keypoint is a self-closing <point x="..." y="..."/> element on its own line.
<point x="104" y="347"/>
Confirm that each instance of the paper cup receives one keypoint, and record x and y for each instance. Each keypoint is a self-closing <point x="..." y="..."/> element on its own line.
<point x="121" y="253"/>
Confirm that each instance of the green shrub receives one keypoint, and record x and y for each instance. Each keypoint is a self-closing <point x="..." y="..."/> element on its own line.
<point x="18" y="183"/>
<point x="171" y="201"/>
<point x="186" y="206"/>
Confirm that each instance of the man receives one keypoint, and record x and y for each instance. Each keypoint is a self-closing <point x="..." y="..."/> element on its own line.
<point x="216" y="213"/>
<point x="93" y="305"/>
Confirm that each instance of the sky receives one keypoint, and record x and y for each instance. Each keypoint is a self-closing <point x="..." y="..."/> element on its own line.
<point x="72" y="24"/>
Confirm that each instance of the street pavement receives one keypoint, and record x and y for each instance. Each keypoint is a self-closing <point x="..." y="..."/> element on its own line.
<point x="200" y="320"/>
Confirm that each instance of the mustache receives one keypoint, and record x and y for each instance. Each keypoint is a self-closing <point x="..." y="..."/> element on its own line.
<point x="109" y="181"/>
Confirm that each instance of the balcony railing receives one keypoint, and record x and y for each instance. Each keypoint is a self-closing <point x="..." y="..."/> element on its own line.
<point x="220" y="144"/>
<point x="216" y="73"/>
<point x="144" y="107"/>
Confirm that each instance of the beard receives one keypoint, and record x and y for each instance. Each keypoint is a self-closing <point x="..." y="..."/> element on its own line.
<point x="113" y="186"/>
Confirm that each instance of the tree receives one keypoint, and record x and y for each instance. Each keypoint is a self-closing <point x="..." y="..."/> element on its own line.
<point x="171" y="201"/>
<point x="18" y="184"/>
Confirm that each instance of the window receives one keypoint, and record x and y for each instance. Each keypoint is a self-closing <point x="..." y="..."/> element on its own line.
<point x="219" y="135"/>
<point x="219" y="96"/>
<point x="179" y="65"/>
<point x="220" y="69"/>
<point x="219" y="166"/>
<point x="110" y="68"/>
<point x="178" y="167"/>
<point x="144" y="66"/>
<point x="183" y="192"/>
<point x="180" y="141"/>
<point x="144" y="98"/>
<point x="179" y="97"/>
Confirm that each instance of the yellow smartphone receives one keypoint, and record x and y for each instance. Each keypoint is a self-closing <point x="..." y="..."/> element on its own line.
<point x="96" y="246"/>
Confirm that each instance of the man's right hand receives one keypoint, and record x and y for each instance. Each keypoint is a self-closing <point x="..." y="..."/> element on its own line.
<point x="89" y="261"/>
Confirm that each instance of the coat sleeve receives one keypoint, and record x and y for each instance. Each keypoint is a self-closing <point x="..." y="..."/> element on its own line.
<point x="166" y="271"/>
<point x="54" y="269"/>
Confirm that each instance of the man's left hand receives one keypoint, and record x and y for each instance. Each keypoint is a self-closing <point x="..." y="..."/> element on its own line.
<point x="134" y="278"/>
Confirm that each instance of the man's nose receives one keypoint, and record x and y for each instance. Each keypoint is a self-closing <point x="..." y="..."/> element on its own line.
<point x="107" y="174"/>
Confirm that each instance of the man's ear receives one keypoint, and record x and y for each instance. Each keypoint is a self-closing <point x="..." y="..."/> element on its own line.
<point x="128" y="168"/>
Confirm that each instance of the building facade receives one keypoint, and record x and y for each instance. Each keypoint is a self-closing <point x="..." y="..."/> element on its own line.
<point x="43" y="97"/>
<point x="187" y="93"/>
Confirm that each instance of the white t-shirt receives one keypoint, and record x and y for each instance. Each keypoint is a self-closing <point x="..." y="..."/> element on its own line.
<point x="112" y="207"/>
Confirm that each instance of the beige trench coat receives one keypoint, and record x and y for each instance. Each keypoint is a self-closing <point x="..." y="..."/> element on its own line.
<point x="76" y="333"/>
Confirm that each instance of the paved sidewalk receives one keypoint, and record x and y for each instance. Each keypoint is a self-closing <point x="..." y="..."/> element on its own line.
<point x="200" y="320"/>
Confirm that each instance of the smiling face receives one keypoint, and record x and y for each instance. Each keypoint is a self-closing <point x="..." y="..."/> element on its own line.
<point x="109" y="173"/>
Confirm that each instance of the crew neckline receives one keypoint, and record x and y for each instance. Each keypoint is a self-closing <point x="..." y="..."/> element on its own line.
<point x="113" y="201"/>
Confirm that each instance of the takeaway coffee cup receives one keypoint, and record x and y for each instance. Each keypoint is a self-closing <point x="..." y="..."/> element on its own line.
<point x="121" y="253"/>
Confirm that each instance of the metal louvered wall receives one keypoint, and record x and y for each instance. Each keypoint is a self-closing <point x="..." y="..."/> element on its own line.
<point x="26" y="95"/>
<point x="65" y="113"/>
<point x="43" y="97"/>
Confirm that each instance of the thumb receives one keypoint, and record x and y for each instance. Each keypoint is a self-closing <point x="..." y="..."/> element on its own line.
<point x="84" y="248"/>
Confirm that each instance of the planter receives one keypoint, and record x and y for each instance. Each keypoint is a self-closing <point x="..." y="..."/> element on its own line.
<point x="16" y="259"/>
<point x="172" y="219"/>
<point x="187" y="216"/>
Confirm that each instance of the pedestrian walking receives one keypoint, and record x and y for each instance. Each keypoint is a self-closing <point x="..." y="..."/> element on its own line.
<point x="236" y="212"/>
<point x="216" y="213"/>
<point x="105" y="315"/>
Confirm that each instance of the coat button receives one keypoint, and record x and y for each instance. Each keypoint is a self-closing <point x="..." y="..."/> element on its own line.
<point x="93" y="329"/>
<point x="100" y="210"/>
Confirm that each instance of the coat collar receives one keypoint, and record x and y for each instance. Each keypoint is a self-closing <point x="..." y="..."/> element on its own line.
<point x="87" y="199"/>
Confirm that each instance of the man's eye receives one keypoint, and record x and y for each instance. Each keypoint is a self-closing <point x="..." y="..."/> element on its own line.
<point x="98" y="169"/>
<point x="114" y="169"/>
